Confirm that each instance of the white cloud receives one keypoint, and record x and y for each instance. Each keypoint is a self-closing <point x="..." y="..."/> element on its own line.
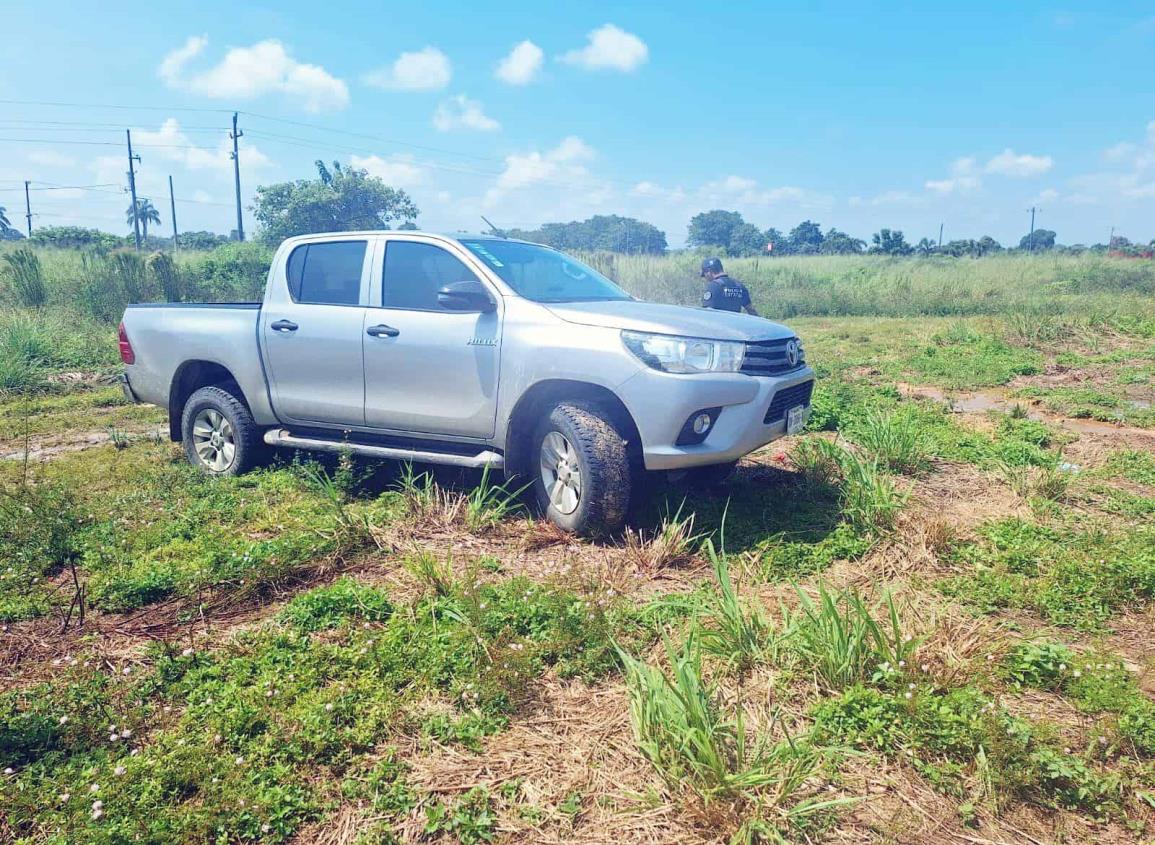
<point x="248" y="72"/>
<point x="460" y="112"/>
<point x="887" y="198"/>
<point x="1010" y="163"/>
<point x="522" y="64"/>
<point x="422" y="70"/>
<point x="565" y="162"/>
<point x="51" y="158"/>
<point x="1122" y="151"/>
<point x="397" y="171"/>
<point x="172" y="64"/>
<point x="964" y="178"/>
<point x="743" y="191"/>
<point x="610" y="48"/>
<point x="651" y="190"/>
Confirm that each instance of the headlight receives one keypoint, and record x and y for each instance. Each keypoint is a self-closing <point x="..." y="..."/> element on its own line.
<point x="685" y="354"/>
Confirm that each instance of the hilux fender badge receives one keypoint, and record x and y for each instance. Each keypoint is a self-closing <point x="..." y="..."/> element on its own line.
<point x="482" y="341"/>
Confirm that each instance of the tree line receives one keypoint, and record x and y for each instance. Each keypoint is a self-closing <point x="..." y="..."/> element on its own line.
<point x="348" y="198"/>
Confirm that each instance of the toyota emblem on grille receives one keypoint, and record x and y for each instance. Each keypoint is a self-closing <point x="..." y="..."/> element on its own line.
<point x="792" y="353"/>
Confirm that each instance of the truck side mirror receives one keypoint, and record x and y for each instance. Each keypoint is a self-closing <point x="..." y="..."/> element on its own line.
<point x="469" y="295"/>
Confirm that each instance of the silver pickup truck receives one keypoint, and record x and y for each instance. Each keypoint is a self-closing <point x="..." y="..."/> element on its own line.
<point x="470" y="351"/>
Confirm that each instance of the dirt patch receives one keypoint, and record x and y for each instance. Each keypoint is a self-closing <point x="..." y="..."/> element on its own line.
<point x="962" y="497"/>
<point x="46" y="447"/>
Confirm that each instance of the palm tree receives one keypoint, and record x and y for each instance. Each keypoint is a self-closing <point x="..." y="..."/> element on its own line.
<point x="145" y="212"/>
<point x="5" y="223"/>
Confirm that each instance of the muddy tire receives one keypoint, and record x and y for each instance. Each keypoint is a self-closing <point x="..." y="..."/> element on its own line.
<point x="581" y="470"/>
<point x="218" y="433"/>
<point x="704" y="478"/>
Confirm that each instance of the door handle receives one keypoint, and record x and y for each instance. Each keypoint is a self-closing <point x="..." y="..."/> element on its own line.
<point x="382" y="330"/>
<point x="284" y="326"/>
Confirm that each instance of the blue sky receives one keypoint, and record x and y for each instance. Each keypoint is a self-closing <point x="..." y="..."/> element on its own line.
<point x="854" y="115"/>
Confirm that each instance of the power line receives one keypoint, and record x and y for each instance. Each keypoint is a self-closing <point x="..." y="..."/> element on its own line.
<point x="103" y="143"/>
<point x="367" y="136"/>
<point x="121" y="106"/>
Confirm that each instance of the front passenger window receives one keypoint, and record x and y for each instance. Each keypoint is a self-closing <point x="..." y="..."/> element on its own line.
<point x="414" y="272"/>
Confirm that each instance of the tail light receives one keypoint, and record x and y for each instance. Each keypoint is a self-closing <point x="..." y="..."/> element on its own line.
<point x="126" y="353"/>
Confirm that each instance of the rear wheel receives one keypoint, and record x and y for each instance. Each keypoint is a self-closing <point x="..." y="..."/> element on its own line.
<point x="582" y="476"/>
<point x="219" y="434"/>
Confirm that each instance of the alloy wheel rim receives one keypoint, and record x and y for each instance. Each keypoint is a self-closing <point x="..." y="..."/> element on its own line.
<point x="213" y="440"/>
<point x="561" y="473"/>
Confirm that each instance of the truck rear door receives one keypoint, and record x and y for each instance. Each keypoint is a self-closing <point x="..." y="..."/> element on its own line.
<point x="312" y="326"/>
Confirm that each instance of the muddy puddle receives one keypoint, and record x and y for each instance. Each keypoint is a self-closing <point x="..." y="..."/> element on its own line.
<point x="981" y="402"/>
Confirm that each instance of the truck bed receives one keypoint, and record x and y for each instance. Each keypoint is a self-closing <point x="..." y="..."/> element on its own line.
<point x="169" y="337"/>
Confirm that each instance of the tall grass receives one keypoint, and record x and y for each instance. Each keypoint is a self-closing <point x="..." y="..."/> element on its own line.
<point x="740" y="637"/>
<point x="868" y="497"/>
<point x="24" y="275"/>
<point x="840" y="637"/>
<point x="859" y="285"/>
<point x="896" y="440"/>
<point x="836" y="285"/>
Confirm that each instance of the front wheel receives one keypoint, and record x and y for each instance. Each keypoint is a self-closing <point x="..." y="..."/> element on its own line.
<point x="583" y="476"/>
<point x="219" y="434"/>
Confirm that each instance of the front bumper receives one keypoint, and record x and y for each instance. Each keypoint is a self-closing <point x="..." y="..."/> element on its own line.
<point x="661" y="402"/>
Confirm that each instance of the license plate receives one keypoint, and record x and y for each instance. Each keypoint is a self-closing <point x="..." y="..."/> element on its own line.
<point x="795" y="419"/>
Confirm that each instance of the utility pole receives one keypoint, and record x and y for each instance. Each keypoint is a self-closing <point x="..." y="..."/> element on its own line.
<point x="235" y="134"/>
<point x="1110" y="240"/>
<point x="172" y="207"/>
<point x="940" y="225"/>
<point x="1031" y="237"/>
<point x="28" y="208"/>
<point x="132" y="188"/>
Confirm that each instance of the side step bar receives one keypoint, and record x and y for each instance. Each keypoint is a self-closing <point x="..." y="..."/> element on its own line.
<point x="283" y="438"/>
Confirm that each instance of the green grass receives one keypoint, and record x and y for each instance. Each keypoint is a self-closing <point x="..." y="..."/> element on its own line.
<point x="275" y="717"/>
<point x="332" y="697"/>
<point x="963" y="358"/>
<point x="1097" y="683"/>
<point x="958" y="735"/>
<point x="1068" y="576"/>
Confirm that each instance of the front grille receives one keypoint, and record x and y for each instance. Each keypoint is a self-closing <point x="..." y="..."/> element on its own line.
<point x="767" y="358"/>
<point x="787" y="398"/>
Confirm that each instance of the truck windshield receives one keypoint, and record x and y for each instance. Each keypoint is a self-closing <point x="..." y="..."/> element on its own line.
<point x="543" y="274"/>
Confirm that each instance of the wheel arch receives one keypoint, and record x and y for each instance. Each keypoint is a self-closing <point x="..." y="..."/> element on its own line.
<point x="542" y="396"/>
<point x="190" y="377"/>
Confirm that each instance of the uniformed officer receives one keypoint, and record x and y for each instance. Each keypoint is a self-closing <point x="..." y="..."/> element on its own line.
<point x="722" y="292"/>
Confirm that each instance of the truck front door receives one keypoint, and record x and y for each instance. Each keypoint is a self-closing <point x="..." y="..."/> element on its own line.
<point x="428" y="370"/>
<point x="312" y="324"/>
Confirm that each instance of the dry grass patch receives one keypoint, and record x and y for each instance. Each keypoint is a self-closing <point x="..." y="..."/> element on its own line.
<point x="576" y="741"/>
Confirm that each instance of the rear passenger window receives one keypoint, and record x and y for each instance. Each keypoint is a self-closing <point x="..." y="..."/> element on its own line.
<point x="414" y="272"/>
<point x="327" y="273"/>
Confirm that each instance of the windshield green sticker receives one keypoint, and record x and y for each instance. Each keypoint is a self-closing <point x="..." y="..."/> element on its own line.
<point x="486" y="254"/>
